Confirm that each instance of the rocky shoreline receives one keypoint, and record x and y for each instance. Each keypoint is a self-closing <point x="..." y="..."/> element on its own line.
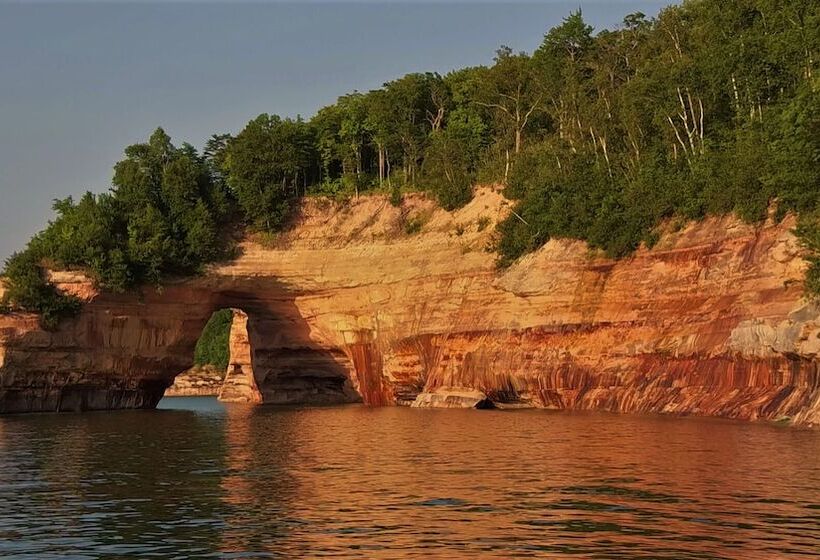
<point x="348" y="306"/>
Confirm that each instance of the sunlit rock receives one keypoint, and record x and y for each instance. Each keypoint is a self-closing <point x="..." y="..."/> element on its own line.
<point x="348" y="306"/>
<point x="453" y="397"/>
<point x="199" y="381"/>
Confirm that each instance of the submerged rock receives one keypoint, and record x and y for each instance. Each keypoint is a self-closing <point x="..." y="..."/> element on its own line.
<point x="453" y="397"/>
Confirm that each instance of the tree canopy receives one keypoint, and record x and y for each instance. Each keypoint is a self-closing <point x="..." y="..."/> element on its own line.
<point x="162" y="216"/>
<point x="710" y="107"/>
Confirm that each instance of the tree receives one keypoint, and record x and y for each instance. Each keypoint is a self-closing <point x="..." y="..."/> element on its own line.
<point x="341" y="137"/>
<point x="352" y="134"/>
<point x="562" y="65"/>
<point x="410" y="102"/>
<point x="327" y="125"/>
<point x="510" y="89"/>
<point x="266" y="163"/>
<point x="383" y="130"/>
<point x="215" y="153"/>
<point x="446" y="169"/>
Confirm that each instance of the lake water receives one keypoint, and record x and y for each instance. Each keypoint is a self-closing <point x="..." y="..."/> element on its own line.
<point x="201" y="480"/>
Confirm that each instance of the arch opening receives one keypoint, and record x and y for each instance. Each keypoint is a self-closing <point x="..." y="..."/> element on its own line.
<point x="125" y="349"/>
<point x="273" y="356"/>
<point x="223" y="366"/>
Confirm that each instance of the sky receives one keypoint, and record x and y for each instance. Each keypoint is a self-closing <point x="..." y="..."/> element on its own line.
<point x="80" y="81"/>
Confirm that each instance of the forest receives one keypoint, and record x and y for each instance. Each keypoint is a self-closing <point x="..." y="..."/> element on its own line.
<point x="711" y="107"/>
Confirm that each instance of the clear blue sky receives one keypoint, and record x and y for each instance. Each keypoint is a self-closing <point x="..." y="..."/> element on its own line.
<point x="78" y="82"/>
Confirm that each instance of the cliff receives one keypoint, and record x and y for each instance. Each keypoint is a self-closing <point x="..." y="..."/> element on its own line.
<point x="347" y="305"/>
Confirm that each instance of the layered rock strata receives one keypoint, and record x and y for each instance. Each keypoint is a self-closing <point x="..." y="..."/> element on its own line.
<point x="347" y="305"/>
<point x="240" y="384"/>
<point x="199" y="381"/>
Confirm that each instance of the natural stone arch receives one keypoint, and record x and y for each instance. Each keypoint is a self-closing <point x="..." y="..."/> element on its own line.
<point x="124" y="350"/>
<point x="287" y="362"/>
<point x="346" y="299"/>
<point x="233" y="383"/>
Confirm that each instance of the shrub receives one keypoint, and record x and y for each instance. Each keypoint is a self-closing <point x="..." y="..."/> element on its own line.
<point x="395" y="196"/>
<point x="413" y="225"/>
<point x="28" y="289"/>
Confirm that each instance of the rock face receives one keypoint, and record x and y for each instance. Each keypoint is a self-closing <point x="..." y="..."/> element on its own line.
<point x="347" y="306"/>
<point x="199" y="381"/>
<point x="240" y="384"/>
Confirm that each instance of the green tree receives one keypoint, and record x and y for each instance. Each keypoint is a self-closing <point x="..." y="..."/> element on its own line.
<point x="446" y="170"/>
<point x="510" y="89"/>
<point x="213" y="346"/>
<point x="268" y="163"/>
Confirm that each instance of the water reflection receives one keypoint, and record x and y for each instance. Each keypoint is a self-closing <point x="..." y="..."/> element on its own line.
<point x="356" y="482"/>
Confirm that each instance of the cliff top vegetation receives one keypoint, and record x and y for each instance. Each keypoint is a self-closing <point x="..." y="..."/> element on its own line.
<point x="709" y="108"/>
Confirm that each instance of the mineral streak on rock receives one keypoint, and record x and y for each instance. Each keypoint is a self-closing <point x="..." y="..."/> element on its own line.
<point x="347" y="306"/>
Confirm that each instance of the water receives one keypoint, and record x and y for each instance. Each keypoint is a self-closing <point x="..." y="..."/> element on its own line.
<point x="201" y="480"/>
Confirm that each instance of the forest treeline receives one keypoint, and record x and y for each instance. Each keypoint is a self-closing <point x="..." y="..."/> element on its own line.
<point x="708" y="108"/>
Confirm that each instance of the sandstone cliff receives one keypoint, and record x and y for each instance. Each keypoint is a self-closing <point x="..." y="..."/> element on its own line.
<point x="348" y="306"/>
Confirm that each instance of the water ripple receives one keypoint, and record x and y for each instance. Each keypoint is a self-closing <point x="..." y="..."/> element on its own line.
<point x="207" y="481"/>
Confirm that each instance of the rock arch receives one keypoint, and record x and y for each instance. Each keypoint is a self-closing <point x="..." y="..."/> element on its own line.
<point x="124" y="350"/>
<point x="348" y="306"/>
<point x="236" y="382"/>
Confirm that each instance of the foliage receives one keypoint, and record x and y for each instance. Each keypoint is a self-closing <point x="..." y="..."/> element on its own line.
<point x="162" y="217"/>
<point x="711" y="107"/>
<point x="395" y="196"/>
<point x="267" y="165"/>
<point x="413" y="225"/>
<point x="28" y="288"/>
<point x="446" y="172"/>
<point x="213" y="347"/>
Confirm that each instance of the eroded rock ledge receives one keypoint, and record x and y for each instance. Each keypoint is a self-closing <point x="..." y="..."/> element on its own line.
<point x="199" y="381"/>
<point x="347" y="306"/>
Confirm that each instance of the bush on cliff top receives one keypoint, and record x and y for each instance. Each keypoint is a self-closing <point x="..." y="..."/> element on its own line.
<point x="711" y="107"/>
<point x="162" y="217"/>
<point x="31" y="291"/>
